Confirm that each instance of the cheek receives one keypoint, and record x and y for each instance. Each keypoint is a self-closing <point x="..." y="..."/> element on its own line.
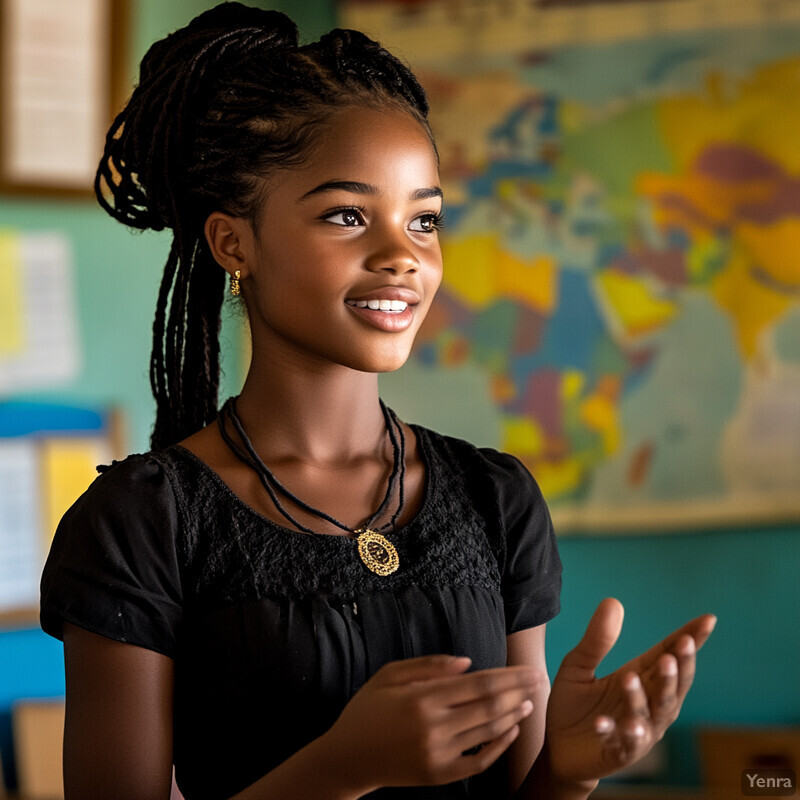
<point x="435" y="274"/>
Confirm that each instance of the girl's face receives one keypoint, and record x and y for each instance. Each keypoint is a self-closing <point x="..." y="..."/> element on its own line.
<point x="346" y="258"/>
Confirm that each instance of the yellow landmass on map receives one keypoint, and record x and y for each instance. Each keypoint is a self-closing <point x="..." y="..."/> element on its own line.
<point x="557" y="478"/>
<point x="761" y="278"/>
<point x="634" y="308"/>
<point x="752" y="303"/>
<point x="480" y="271"/>
<point x="558" y="467"/>
<point x="572" y="383"/>
<point x="735" y="112"/>
<point x="600" y="412"/>
<point x="706" y="203"/>
<point x="522" y="435"/>
<point x="774" y="253"/>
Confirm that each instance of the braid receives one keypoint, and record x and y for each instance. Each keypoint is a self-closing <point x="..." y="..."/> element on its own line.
<point x="220" y="105"/>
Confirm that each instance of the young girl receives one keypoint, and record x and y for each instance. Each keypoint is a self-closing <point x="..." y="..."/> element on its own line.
<point x="301" y="596"/>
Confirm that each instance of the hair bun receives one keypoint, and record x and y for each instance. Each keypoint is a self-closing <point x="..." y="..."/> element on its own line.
<point x="129" y="183"/>
<point x="229" y="22"/>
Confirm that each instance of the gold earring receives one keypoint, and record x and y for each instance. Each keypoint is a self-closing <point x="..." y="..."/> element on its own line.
<point x="235" y="283"/>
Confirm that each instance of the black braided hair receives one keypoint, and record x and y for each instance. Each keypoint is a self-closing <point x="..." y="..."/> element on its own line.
<point x="219" y="105"/>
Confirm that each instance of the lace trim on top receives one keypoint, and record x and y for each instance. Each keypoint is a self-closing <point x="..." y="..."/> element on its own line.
<point x="232" y="554"/>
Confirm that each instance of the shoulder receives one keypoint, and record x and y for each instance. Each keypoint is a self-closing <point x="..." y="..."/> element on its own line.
<point x="114" y="566"/>
<point x="140" y="482"/>
<point x="501" y="474"/>
<point x="518" y="523"/>
<point x="131" y="506"/>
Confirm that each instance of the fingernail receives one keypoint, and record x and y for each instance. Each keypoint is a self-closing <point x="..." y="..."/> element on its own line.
<point x="634" y="683"/>
<point x="603" y="725"/>
<point x="669" y="667"/>
<point x="688" y="647"/>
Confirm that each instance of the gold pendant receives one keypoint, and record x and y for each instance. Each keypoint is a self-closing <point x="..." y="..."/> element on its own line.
<point x="377" y="552"/>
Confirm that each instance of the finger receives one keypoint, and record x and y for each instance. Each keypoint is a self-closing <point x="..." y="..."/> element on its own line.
<point x="661" y="685"/>
<point x="420" y="669"/>
<point x="483" y="757"/>
<point x="703" y="627"/>
<point x="630" y="742"/>
<point x="488" y="710"/>
<point x="635" y="728"/>
<point x="615" y="753"/>
<point x="487" y="685"/>
<point x="698" y="629"/>
<point x="476" y="737"/>
<point x="686" y="653"/>
<point x="683" y="660"/>
<point x="601" y="634"/>
<point x="626" y="738"/>
<point x="637" y="707"/>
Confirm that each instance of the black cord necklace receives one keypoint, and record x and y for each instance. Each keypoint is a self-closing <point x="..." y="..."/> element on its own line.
<point x="374" y="549"/>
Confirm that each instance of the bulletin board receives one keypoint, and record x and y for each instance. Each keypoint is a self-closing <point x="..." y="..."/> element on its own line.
<point x="48" y="452"/>
<point x="48" y="458"/>
<point x="620" y="305"/>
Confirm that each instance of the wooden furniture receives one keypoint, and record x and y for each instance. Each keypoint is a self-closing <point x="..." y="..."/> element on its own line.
<point x="38" y="727"/>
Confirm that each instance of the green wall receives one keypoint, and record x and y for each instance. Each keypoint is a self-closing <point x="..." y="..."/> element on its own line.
<point x="748" y="671"/>
<point x="117" y="270"/>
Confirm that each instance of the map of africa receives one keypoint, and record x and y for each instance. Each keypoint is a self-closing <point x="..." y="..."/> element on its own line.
<point x="621" y="300"/>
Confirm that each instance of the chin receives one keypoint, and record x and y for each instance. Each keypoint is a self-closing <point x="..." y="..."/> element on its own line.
<point x="385" y="362"/>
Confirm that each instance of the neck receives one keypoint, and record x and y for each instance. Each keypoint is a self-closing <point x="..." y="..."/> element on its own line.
<point x="321" y="417"/>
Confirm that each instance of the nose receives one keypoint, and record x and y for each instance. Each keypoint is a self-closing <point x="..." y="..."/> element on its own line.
<point x="392" y="254"/>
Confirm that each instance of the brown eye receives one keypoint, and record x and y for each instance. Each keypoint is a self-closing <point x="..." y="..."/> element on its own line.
<point x="347" y="218"/>
<point x="427" y="223"/>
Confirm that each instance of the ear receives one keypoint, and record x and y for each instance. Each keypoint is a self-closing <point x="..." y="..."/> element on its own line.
<point x="230" y="240"/>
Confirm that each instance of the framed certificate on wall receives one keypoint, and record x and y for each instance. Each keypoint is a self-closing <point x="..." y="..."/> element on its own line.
<point x="60" y="68"/>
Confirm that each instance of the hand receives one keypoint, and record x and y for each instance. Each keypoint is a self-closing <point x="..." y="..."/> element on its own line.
<point x="426" y="721"/>
<point x="596" y="726"/>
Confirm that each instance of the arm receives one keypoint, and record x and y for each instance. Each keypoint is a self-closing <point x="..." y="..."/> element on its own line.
<point x="118" y="736"/>
<point x="527" y="648"/>
<point x="118" y="729"/>
<point x="529" y="772"/>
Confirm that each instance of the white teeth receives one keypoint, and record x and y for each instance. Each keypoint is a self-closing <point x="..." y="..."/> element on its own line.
<point x="395" y="306"/>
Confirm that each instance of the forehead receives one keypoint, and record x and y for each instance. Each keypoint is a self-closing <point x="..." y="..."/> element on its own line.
<point x="385" y="148"/>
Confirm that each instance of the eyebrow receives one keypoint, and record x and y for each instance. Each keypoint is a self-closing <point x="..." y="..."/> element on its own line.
<point x="357" y="187"/>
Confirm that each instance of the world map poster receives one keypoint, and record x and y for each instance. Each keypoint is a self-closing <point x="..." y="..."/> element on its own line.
<point x="620" y="306"/>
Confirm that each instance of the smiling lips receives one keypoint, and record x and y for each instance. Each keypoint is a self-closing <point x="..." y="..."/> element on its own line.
<point x="389" y="314"/>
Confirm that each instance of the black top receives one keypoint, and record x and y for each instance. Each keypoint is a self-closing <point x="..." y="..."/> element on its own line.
<point x="273" y="630"/>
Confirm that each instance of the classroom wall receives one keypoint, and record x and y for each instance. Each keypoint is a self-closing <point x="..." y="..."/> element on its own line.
<point x="747" y="673"/>
<point x="117" y="273"/>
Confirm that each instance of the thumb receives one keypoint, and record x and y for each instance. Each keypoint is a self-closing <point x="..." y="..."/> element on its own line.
<point x="420" y="669"/>
<point x="601" y="635"/>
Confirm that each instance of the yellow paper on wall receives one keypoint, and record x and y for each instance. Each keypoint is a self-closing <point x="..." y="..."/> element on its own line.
<point x="12" y="328"/>
<point x="69" y="465"/>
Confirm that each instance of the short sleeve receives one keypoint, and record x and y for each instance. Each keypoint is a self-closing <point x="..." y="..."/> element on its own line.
<point x="113" y="567"/>
<point x="531" y="568"/>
